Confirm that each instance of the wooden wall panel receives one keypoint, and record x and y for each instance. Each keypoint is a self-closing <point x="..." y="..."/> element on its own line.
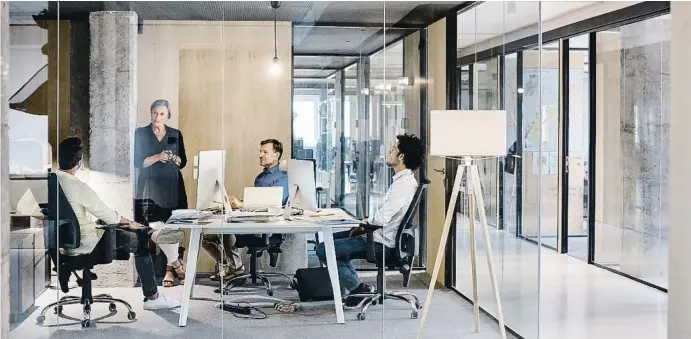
<point x="256" y="104"/>
<point x="215" y="75"/>
<point x="200" y="111"/>
<point x="436" y="197"/>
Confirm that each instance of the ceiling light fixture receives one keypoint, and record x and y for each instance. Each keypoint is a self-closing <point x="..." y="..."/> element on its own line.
<point x="275" y="67"/>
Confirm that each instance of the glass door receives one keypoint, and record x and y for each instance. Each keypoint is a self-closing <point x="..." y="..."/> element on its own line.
<point x="486" y="97"/>
<point x="577" y="130"/>
<point x="540" y="153"/>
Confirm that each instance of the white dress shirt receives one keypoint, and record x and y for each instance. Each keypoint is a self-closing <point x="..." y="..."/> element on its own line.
<point x="88" y="208"/>
<point x="396" y="202"/>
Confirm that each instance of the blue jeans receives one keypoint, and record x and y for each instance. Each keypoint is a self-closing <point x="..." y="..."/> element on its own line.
<point x="344" y="245"/>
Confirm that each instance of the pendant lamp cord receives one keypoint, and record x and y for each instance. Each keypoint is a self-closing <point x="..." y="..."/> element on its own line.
<point x="275" y="48"/>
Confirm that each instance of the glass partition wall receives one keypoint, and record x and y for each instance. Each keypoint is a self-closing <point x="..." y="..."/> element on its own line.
<point x="631" y="164"/>
<point x="585" y="174"/>
<point x="491" y="76"/>
<point x="130" y="82"/>
<point x="571" y="120"/>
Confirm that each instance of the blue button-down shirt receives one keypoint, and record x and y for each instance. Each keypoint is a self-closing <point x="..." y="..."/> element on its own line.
<point x="273" y="177"/>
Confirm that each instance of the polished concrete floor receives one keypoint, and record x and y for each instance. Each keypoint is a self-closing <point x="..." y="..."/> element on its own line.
<point x="576" y="300"/>
<point x="450" y="317"/>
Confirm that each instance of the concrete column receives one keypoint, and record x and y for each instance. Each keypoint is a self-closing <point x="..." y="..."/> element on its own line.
<point x="679" y="296"/>
<point x="80" y="45"/>
<point x="4" y="175"/>
<point x="113" y="116"/>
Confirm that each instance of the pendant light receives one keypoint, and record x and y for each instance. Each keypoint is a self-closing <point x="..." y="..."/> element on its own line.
<point x="275" y="68"/>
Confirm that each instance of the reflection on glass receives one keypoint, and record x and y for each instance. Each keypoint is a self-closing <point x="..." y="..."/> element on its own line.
<point x="502" y="79"/>
<point x="485" y="93"/>
<point x="388" y="112"/>
<point x="578" y="147"/>
<point x="631" y="223"/>
<point x="32" y="129"/>
<point x="545" y="132"/>
<point x="511" y="162"/>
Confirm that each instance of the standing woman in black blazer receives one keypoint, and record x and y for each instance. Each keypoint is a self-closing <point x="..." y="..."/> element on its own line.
<point x="159" y="155"/>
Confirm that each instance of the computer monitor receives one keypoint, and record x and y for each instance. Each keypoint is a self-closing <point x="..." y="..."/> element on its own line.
<point x="210" y="179"/>
<point x="302" y="184"/>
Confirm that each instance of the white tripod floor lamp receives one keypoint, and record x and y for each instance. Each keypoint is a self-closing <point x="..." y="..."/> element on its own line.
<point x="467" y="134"/>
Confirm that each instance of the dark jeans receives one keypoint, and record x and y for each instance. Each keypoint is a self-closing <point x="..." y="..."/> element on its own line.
<point x="345" y="245"/>
<point x="138" y="244"/>
<point x="146" y="211"/>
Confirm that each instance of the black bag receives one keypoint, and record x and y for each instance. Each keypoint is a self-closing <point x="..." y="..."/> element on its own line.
<point x="313" y="284"/>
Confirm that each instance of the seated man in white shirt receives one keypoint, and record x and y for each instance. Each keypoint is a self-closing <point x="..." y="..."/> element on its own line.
<point x="88" y="208"/>
<point x="405" y="157"/>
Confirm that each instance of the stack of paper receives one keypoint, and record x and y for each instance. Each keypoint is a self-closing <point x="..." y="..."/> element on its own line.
<point x="179" y="215"/>
<point x="240" y="216"/>
<point x="332" y="219"/>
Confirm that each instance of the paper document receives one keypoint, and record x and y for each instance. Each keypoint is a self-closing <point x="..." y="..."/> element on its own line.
<point x="331" y="217"/>
<point x="189" y="215"/>
<point x="336" y="221"/>
<point x="156" y="225"/>
<point x="241" y="214"/>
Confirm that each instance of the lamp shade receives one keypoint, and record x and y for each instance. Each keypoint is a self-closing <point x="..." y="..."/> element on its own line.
<point x="467" y="133"/>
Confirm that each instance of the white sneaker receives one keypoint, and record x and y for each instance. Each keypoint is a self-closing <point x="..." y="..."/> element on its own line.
<point x="161" y="303"/>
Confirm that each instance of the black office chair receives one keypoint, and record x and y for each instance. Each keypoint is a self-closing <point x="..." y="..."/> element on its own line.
<point x="256" y="245"/>
<point x="61" y="232"/>
<point x="399" y="257"/>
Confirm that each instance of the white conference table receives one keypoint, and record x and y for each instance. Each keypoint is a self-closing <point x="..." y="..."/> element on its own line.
<point x="217" y="225"/>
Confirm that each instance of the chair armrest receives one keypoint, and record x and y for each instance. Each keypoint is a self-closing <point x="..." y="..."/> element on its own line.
<point x="371" y="250"/>
<point x="120" y="227"/>
<point x="111" y="226"/>
<point x="371" y="227"/>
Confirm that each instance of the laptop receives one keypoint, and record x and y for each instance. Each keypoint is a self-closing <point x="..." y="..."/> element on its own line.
<point x="262" y="199"/>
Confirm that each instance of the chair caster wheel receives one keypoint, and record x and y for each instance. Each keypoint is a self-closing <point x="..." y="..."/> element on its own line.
<point x="112" y="307"/>
<point x="375" y="302"/>
<point x="131" y="315"/>
<point x="86" y="323"/>
<point x="40" y="319"/>
<point x="413" y="315"/>
<point x="270" y="293"/>
<point x="57" y="309"/>
<point x="361" y="316"/>
<point x="418" y="305"/>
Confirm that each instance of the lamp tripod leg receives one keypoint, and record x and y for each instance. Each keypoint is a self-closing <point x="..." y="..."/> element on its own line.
<point x="473" y="249"/>
<point x="488" y="248"/>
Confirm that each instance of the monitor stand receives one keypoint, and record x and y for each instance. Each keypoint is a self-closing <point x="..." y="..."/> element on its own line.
<point x="288" y="209"/>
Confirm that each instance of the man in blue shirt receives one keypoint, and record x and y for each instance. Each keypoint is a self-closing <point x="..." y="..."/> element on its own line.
<point x="270" y="152"/>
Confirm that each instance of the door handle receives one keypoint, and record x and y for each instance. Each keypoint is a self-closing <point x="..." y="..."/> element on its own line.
<point x="442" y="171"/>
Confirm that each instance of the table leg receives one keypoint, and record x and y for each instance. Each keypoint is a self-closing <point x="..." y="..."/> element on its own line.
<point x="333" y="273"/>
<point x="191" y="273"/>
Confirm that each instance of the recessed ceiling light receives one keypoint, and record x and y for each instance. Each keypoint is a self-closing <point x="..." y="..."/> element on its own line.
<point x="347" y="41"/>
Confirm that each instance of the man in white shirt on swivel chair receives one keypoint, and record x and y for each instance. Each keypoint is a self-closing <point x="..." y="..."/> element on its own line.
<point x="405" y="156"/>
<point x="88" y="207"/>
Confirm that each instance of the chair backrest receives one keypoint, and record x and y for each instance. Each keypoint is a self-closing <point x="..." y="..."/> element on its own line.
<point x="405" y="239"/>
<point x="62" y="224"/>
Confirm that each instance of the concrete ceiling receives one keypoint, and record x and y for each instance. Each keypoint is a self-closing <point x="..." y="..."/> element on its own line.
<point x="327" y="35"/>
